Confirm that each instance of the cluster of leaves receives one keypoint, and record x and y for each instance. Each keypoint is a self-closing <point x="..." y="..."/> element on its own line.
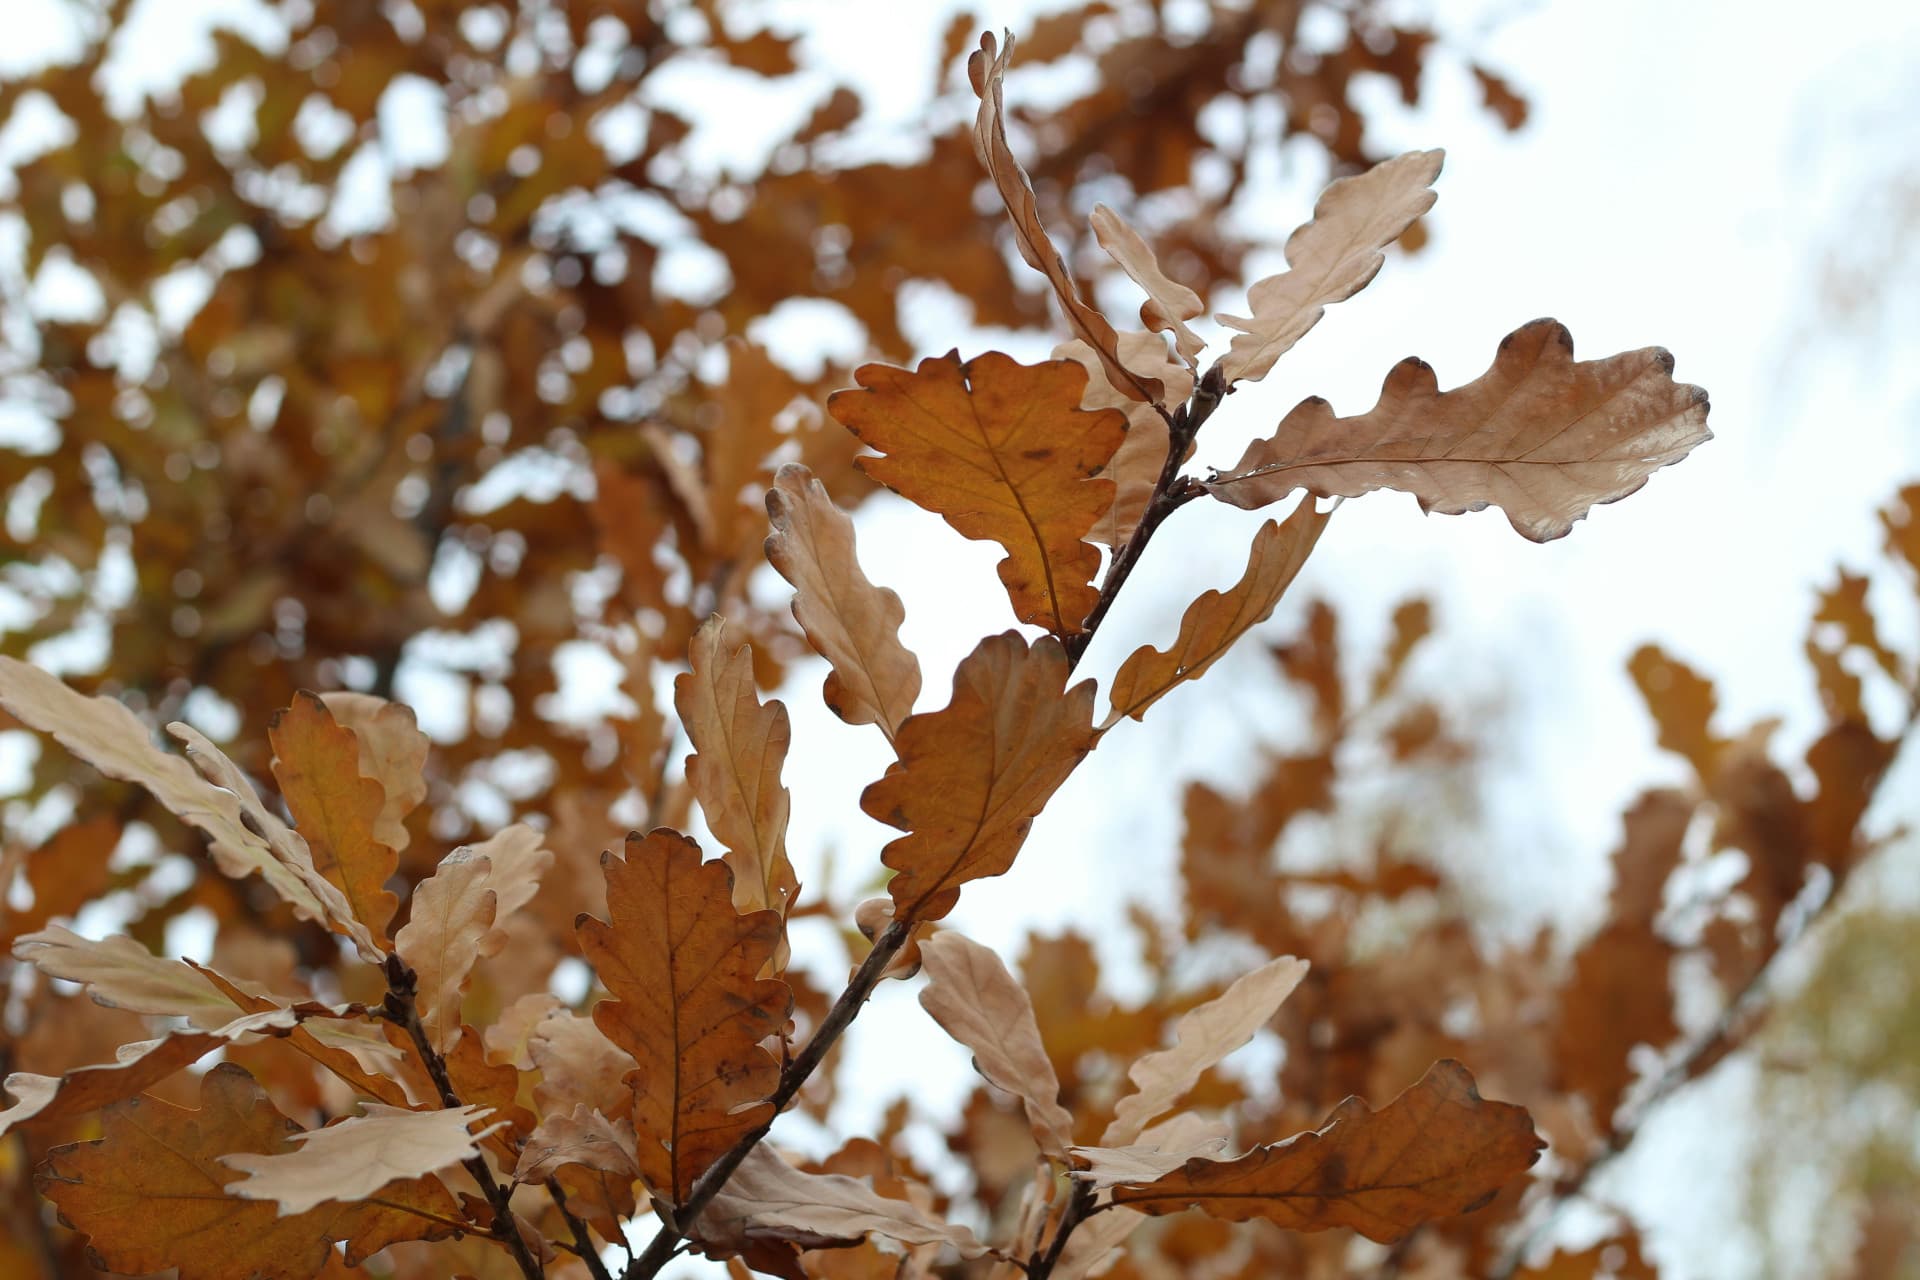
<point x="654" y="1093"/>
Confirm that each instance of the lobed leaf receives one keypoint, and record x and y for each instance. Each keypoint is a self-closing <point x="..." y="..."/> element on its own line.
<point x="1214" y="621"/>
<point x="336" y="809"/>
<point x="851" y="623"/>
<point x="739" y="747"/>
<point x="1330" y="258"/>
<point x="986" y="70"/>
<point x="121" y="974"/>
<point x="1136" y="465"/>
<point x="1169" y="303"/>
<point x="682" y="965"/>
<point x="356" y="1157"/>
<point x="1537" y="435"/>
<point x="1435" y="1150"/>
<point x="393" y="752"/>
<point x="766" y="1196"/>
<point x="1004" y="452"/>
<point x="976" y="1001"/>
<point x="973" y="775"/>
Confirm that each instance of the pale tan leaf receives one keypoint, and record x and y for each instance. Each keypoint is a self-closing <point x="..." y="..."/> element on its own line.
<point x="1001" y="450"/>
<point x="286" y="845"/>
<point x="335" y="806"/>
<point x="976" y="1001"/>
<point x="1203" y="1036"/>
<point x="578" y="1066"/>
<point x="739" y="748"/>
<point x="1437" y="1149"/>
<point x="138" y="1066"/>
<point x="113" y="740"/>
<point x="518" y="859"/>
<point x="121" y="974"/>
<point x="1537" y="435"/>
<point x="452" y="911"/>
<point x="583" y="1136"/>
<point x="985" y="70"/>
<point x="1169" y="303"/>
<point x="1109" y="1166"/>
<point x="1330" y="259"/>
<point x="767" y="1196"/>
<point x="1136" y="465"/>
<point x="851" y="623"/>
<point x="393" y="752"/>
<point x="352" y="1159"/>
<point x="1214" y="621"/>
<point x="973" y="775"/>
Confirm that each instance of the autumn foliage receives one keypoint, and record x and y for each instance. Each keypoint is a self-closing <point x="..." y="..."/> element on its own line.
<point x="407" y="1085"/>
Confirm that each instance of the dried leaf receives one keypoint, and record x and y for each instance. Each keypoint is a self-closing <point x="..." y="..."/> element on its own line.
<point x="851" y="623"/>
<point x="452" y="911"/>
<point x="316" y="762"/>
<point x="769" y="1197"/>
<point x="1214" y="621"/>
<point x="578" y="1066"/>
<point x="1330" y="258"/>
<point x="1206" y="1034"/>
<point x="1437" y="1149"/>
<point x="356" y="1157"/>
<point x="1682" y="703"/>
<point x="973" y="775"/>
<point x="1169" y="303"/>
<point x="1003" y="451"/>
<point x="1110" y="1166"/>
<point x="976" y="1001"/>
<point x="739" y="748"/>
<point x="583" y="1137"/>
<point x="1136" y="465"/>
<point x="121" y="974"/>
<point x="113" y="740"/>
<point x="1537" y="435"/>
<point x="150" y="1193"/>
<point x="67" y="871"/>
<point x="518" y="859"/>
<point x="986" y="69"/>
<point x="393" y="752"/>
<point x="688" y="1004"/>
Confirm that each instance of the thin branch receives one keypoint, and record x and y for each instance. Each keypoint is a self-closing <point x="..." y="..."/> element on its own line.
<point x="1078" y="1207"/>
<point x="582" y="1241"/>
<point x="400" y="1008"/>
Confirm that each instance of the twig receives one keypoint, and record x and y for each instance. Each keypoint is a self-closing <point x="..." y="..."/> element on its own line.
<point x="584" y="1242"/>
<point x="1078" y="1206"/>
<point x="400" y="1008"/>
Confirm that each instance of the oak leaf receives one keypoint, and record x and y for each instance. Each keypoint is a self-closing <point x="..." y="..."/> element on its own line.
<point x="689" y="1007"/>
<point x="740" y="745"/>
<point x="1169" y="303"/>
<point x="393" y="752"/>
<point x="1004" y="452"/>
<point x="1435" y="1150"/>
<point x="336" y="809"/>
<point x="851" y="623"/>
<point x="1214" y="621"/>
<point x="986" y="70"/>
<point x="1330" y="258"/>
<point x="151" y="1194"/>
<point x="766" y="1196"/>
<point x="121" y="974"/>
<point x="1206" y="1034"/>
<point x="976" y="1001"/>
<point x="1538" y="435"/>
<point x="451" y="912"/>
<point x="578" y="1065"/>
<point x="355" y="1157"/>
<point x="973" y="775"/>
<point x="583" y="1136"/>
<point x="112" y="739"/>
<point x="1136" y="465"/>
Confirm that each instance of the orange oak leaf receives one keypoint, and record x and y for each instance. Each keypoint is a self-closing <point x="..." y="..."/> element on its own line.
<point x="976" y="1001"/>
<point x="850" y="622"/>
<point x="739" y="748"/>
<point x="1169" y="303"/>
<point x="1682" y="702"/>
<point x="336" y="809"/>
<point x="67" y="871"/>
<point x="1136" y="465"/>
<point x="243" y="837"/>
<point x="1214" y="621"/>
<point x="1538" y="435"/>
<point x="1003" y="451"/>
<point x="151" y="1193"/>
<point x="986" y="69"/>
<point x="1435" y="1150"/>
<point x="973" y="775"/>
<point x="1330" y="258"/>
<point x="682" y="965"/>
<point x="393" y="752"/>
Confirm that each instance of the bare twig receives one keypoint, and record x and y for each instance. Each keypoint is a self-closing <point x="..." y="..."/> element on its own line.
<point x="583" y="1243"/>
<point x="1079" y="1205"/>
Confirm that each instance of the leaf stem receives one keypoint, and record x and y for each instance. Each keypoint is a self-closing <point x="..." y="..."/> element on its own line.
<point x="401" y="1009"/>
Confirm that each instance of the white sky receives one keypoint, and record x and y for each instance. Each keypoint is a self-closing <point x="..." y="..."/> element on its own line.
<point x="1686" y="168"/>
